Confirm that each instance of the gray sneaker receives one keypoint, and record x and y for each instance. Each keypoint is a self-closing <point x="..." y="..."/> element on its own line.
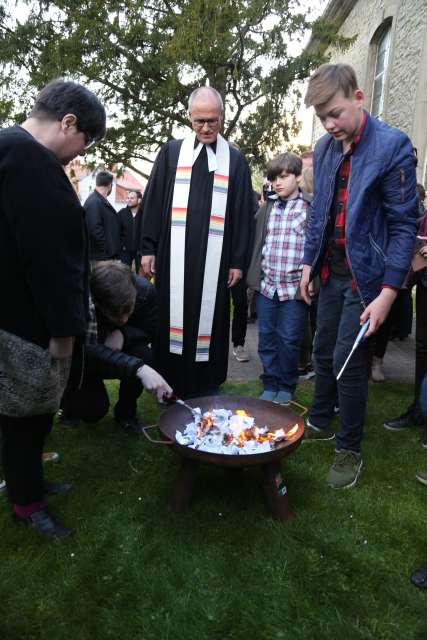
<point x="316" y="433"/>
<point x="2" y="485"/>
<point x="240" y="354"/>
<point x="345" y="469"/>
<point x="421" y="476"/>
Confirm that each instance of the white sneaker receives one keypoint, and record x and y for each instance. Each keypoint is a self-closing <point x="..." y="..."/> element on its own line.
<point x="2" y="485"/>
<point x="240" y="354"/>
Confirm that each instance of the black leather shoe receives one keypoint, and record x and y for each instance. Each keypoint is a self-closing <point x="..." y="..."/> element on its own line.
<point x="131" y="426"/>
<point x="408" y="419"/>
<point x="43" y="523"/>
<point x="419" y="577"/>
<point x="55" y="488"/>
<point x="67" y="421"/>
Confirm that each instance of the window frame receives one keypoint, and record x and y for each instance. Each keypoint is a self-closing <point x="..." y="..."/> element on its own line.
<point x="384" y="36"/>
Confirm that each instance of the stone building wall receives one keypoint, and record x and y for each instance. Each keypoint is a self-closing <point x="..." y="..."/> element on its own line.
<point x="406" y="81"/>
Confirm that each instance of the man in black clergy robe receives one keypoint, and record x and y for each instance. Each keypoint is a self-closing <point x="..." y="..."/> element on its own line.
<point x="188" y="377"/>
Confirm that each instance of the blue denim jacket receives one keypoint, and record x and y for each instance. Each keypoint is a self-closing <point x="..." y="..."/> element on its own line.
<point x="381" y="211"/>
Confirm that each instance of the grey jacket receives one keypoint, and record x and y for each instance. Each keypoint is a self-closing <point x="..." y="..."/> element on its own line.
<point x="254" y="275"/>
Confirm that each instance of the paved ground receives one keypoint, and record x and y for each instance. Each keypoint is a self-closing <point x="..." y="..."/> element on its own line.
<point x="399" y="361"/>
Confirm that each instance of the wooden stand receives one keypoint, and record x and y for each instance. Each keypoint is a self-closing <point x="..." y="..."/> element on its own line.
<point x="184" y="485"/>
<point x="275" y="491"/>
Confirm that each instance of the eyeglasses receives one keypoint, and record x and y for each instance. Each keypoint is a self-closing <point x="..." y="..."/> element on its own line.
<point x="211" y="122"/>
<point x="89" y="141"/>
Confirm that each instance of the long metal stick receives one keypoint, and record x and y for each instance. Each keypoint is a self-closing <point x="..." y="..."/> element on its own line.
<point x="358" y="340"/>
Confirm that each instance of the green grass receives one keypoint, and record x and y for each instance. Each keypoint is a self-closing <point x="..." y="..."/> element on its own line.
<point x="224" y="571"/>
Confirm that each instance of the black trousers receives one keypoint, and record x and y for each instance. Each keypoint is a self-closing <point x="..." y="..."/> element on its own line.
<point x="397" y="323"/>
<point x="22" y="447"/>
<point x="91" y="403"/>
<point x="420" y="339"/>
<point x="240" y="314"/>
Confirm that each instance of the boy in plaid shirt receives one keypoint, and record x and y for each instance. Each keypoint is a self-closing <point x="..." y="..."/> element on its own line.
<point x="275" y="272"/>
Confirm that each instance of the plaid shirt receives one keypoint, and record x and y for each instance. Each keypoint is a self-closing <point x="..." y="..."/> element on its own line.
<point x="283" y="250"/>
<point x="92" y="326"/>
<point x="337" y="240"/>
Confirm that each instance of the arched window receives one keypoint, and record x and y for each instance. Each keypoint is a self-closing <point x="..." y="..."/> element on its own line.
<point x="383" y="50"/>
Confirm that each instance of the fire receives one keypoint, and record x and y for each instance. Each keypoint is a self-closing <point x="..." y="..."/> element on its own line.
<point x="292" y="431"/>
<point x="253" y="433"/>
<point x="221" y="429"/>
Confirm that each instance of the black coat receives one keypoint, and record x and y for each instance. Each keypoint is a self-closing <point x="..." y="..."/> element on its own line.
<point x="130" y="231"/>
<point x="105" y="230"/>
<point x="43" y="245"/>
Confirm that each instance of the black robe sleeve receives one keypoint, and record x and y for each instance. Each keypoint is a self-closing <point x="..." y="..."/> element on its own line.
<point x="152" y="206"/>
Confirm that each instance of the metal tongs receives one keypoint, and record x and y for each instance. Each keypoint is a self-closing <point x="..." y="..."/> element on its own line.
<point x="173" y="399"/>
<point x="358" y="340"/>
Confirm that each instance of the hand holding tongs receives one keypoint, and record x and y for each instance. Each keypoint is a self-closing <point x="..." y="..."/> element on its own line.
<point x="173" y="399"/>
<point x="358" y="340"/>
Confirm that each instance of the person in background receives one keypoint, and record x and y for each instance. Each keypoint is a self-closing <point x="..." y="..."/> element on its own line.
<point x="239" y="322"/>
<point x="360" y="240"/>
<point x="305" y="367"/>
<point x="43" y="285"/>
<point x="421" y="192"/>
<point x="413" y="415"/>
<point x="130" y="220"/>
<point x="398" y="325"/>
<point x="274" y="273"/>
<point x="307" y="162"/>
<point x="105" y="230"/>
<point x="419" y="576"/>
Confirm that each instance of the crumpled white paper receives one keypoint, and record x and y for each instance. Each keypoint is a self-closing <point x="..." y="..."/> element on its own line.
<point x="224" y="422"/>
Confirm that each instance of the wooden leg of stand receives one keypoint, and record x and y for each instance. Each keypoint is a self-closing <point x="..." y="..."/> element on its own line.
<point x="184" y="486"/>
<point x="275" y="491"/>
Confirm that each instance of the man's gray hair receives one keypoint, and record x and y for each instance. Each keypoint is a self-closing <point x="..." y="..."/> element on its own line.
<point x="210" y="90"/>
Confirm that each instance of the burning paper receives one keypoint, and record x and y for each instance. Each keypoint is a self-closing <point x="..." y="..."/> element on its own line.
<point x="222" y="431"/>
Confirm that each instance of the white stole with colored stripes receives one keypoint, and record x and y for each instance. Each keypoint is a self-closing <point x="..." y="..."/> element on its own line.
<point x="181" y="194"/>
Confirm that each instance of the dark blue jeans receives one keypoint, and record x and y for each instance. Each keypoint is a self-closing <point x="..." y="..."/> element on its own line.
<point x="338" y="323"/>
<point x="281" y="330"/>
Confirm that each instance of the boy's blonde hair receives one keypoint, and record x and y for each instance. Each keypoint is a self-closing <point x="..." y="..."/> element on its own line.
<point x="307" y="180"/>
<point x="327" y="80"/>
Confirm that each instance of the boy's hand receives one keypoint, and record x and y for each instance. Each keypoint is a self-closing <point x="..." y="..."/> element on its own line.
<point x="306" y="287"/>
<point x="148" y="266"/>
<point x="234" y="276"/>
<point x="378" y="310"/>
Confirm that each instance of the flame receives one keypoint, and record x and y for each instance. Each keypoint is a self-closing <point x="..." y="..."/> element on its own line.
<point x="246" y="433"/>
<point x="292" y="431"/>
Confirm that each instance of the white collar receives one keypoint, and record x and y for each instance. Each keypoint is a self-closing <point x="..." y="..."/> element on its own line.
<point x="212" y="163"/>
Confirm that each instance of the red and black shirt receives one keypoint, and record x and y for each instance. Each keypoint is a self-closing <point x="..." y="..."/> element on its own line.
<point x="335" y="260"/>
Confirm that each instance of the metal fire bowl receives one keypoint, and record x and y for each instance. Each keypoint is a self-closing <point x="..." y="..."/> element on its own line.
<point x="274" y="416"/>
